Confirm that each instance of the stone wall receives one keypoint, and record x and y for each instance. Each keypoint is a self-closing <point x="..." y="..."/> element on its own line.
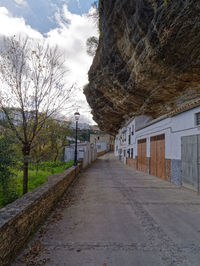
<point x="131" y="162"/>
<point x="90" y="155"/>
<point x="21" y="218"/>
<point x="168" y="169"/>
<point x="176" y="175"/>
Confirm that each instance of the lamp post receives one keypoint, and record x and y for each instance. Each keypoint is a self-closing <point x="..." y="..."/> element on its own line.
<point x="76" y="115"/>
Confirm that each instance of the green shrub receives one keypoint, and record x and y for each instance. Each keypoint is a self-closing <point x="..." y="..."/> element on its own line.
<point x="8" y="191"/>
<point x="37" y="176"/>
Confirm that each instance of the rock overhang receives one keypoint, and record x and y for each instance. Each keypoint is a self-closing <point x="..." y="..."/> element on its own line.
<point x="147" y="62"/>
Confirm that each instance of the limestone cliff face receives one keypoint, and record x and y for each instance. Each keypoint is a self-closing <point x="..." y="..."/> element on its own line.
<point x="148" y="59"/>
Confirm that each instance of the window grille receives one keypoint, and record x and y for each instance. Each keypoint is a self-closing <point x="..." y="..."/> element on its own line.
<point x="129" y="139"/>
<point x="133" y="129"/>
<point x="198" y="119"/>
<point x="132" y="153"/>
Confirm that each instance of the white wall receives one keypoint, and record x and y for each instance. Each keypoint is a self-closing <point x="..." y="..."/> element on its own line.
<point x="69" y="154"/>
<point x="173" y="127"/>
<point x="123" y="145"/>
<point x="87" y="152"/>
<point x="81" y="149"/>
<point x="101" y="146"/>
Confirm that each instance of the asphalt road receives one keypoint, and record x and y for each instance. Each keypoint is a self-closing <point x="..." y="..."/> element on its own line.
<point x="116" y="216"/>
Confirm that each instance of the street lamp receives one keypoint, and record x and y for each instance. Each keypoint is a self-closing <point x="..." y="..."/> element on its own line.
<point x="76" y="115"/>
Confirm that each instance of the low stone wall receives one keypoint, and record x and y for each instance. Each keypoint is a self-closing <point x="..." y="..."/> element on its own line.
<point x="21" y="218"/>
<point x="131" y="162"/>
<point x="176" y="175"/>
<point x="168" y="169"/>
<point x="89" y="156"/>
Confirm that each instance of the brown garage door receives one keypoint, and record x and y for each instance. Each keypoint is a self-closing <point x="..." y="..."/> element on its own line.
<point x="142" y="155"/>
<point x="157" y="156"/>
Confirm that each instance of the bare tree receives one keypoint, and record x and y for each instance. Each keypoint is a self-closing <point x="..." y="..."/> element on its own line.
<point x="32" y="89"/>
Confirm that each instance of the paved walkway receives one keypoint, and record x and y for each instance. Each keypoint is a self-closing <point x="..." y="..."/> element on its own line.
<point x="116" y="216"/>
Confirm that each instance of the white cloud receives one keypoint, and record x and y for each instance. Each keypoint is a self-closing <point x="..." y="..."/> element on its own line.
<point x="21" y="2"/>
<point x="70" y="36"/>
<point x="12" y="26"/>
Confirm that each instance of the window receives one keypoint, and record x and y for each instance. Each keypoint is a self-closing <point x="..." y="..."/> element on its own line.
<point x="129" y="139"/>
<point x="124" y="153"/>
<point x="124" y="137"/>
<point x="132" y="153"/>
<point x="197" y="118"/>
<point x="128" y="153"/>
<point x="98" y="137"/>
<point x="133" y="129"/>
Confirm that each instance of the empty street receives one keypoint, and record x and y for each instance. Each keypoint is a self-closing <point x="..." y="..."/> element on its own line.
<point x="116" y="216"/>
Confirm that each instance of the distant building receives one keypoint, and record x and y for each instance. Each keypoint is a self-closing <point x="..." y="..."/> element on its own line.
<point x="94" y="128"/>
<point x="81" y="126"/>
<point x="14" y="114"/>
<point x="70" y="150"/>
<point x="103" y="142"/>
<point x="85" y="151"/>
<point x="70" y="139"/>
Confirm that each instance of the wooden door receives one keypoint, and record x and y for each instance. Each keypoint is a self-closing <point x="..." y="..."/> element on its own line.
<point x="142" y="155"/>
<point x="157" y="156"/>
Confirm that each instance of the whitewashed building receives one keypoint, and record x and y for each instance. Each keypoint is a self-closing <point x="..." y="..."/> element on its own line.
<point x="103" y="142"/>
<point x="85" y="151"/>
<point x="14" y="114"/>
<point x="81" y="126"/>
<point x="167" y="147"/>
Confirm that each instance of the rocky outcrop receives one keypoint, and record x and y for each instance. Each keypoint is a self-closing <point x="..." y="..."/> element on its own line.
<point x="148" y="59"/>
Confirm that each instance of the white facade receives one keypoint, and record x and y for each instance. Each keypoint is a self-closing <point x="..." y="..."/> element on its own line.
<point x="175" y="127"/>
<point x="101" y="146"/>
<point x="102" y="141"/>
<point x="85" y="151"/>
<point x="81" y="148"/>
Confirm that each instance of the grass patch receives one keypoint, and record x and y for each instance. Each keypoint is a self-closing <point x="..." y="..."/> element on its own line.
<point x="37" y="176"/>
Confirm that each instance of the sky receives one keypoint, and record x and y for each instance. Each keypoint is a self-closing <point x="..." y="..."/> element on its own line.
<point x="61" y="22"/>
